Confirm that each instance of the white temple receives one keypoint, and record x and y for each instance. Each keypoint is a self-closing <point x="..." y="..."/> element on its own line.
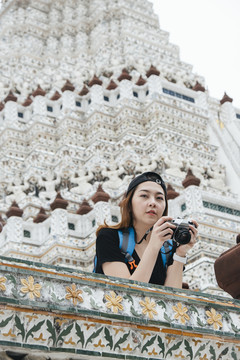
<point x="92" y="93"/>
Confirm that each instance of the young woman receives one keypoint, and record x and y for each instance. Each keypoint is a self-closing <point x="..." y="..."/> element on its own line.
<point x="143" y="207"/>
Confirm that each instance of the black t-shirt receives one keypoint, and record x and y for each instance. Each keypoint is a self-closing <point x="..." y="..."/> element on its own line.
<point x="107" y="250"/>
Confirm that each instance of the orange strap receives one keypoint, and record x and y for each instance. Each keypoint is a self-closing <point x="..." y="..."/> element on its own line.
<point x="132" y="264"/>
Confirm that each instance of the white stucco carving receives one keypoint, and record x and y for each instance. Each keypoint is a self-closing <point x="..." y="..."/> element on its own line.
<point x="104" y="136"/>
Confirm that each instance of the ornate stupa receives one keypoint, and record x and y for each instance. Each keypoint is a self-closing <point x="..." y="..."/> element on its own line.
<point x="93" y="93"/>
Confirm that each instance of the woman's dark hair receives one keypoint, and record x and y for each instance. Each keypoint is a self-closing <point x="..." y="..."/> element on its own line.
<point x="126" y="212"/>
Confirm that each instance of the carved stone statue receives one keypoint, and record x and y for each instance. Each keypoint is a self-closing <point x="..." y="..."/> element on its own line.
<point x="146" y="165"/>
<point x="49" y="182"/>
<point x="33" y="186"/>
<point x="174" y="164"/>
<point x="217" y="177"/>
<point x="82" y="181"/>
<point x="197" y="169"/>
<point x="17" y="189"/>
<point x="3" y="184"/>
<point x="113" y="173"/>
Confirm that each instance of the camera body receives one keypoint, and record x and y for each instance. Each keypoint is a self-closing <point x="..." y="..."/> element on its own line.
<point x="181" y="233"/>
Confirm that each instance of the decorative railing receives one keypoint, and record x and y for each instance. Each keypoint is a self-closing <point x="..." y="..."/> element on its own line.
<point x="51" y="310"/>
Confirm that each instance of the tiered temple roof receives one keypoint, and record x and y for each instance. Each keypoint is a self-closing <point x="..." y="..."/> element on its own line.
<point x="93" y="93"/>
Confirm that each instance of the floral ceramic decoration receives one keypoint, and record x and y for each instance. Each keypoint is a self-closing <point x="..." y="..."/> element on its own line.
<point x="2" y="283"/>
<point x="181" y="313"/>
<point x="114" y="302"/>
<point x="214" y="319"/>
<point x="73" y="294"/>
<point x="30" y="288"/>
<point x="148" y="307"/>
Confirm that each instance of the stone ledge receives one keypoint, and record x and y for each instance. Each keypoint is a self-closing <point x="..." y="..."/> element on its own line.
<point x="50" y="309"/>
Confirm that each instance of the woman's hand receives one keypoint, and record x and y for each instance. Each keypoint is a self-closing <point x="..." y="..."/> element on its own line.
<point x="162" y="231"/>
<point x="183" y="249"/>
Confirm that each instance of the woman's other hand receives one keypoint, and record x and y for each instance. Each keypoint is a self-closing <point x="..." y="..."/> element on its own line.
<point x="161" y="232"/>
<point x="183" y="249"/>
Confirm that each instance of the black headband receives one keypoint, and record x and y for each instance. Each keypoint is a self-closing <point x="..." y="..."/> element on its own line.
<point x="147" y="176"/>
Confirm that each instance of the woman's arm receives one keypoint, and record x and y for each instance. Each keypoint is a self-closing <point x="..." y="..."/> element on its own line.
<point x="175" y="275"/>
<point x="142" y="273"/>
<point x="161" y="232"/>
<point x="145" y="267"/>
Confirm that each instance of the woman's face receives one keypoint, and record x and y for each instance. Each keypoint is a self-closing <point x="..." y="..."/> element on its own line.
<point x="148" y="203"/>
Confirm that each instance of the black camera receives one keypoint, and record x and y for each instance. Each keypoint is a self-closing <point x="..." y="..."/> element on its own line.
<point x="181" y="233"/>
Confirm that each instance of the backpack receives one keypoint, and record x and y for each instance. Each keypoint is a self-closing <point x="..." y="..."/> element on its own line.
<point x="127" y="246"/>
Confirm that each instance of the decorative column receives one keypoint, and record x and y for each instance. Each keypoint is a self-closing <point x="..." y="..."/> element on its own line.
<point x="85" y="98"/>
<point x="28" y="108"/>
<point x="126" y="86"/>
<point x="202" y="96"/>
<point x="11" y="113"/>
<point x="86" y="221"/>
<point x="68" y="96"/>
<point x="39" y="103"/>
<point x="102" y="208"/>
<point x="192" y="194"/>
<point x="227" y="110"/>
<point x="59" y="219"/>
<point x="96" y="91"/>
<point x="14" y="226"/>
<point x="154" y="82"/>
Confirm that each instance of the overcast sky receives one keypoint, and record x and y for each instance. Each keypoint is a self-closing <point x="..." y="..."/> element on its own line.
<point x="208" y="35"/>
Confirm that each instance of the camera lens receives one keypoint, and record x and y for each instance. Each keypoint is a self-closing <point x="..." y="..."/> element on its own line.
<point x="182" y="236"/>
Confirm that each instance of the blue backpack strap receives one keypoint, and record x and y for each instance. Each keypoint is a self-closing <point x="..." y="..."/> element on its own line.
<point x="95" y="263"/>
<point x="127" y="240"/>
<point x="166" y="251"/>
<point x="127" y="245"/>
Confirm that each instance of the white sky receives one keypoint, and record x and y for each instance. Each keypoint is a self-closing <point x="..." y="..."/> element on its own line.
<point x="208" y="35"/>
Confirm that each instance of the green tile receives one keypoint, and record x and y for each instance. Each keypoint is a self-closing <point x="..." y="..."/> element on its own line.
<point x="113" y="355"/>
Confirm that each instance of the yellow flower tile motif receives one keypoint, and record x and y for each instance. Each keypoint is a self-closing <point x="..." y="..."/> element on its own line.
<point x="31" y="317"/>
<point x="204" y="357"/>
<point x="214" y="319"/>
<point x="148" y="307"/>
<point x="9" y="334"/>
<point x="99" y="344"/>
<point x="118" y="330"/>
<point x="128" y="348"/>
<point x="2" y="283"/>
<point x="60" y="321"/>
<point x="114" y="302"/>
<point x="145" y="335"/>
<point x="170" y="338"/>
<point x="73" y="294"/>
<point x="30" y="288"/>
<point x="153" y="352"/>
<point x="40" y="338"/>
<point x="181" y="313"/>
<point x="70" y="341"/>
<point x="88" y="326"/>
<point x="180" y="355"/>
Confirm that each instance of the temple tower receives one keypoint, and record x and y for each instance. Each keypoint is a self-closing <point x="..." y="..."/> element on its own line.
<point x="93" y="93"/>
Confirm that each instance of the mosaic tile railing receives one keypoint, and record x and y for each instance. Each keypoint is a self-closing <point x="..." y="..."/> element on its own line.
<point x="51" y="309"/>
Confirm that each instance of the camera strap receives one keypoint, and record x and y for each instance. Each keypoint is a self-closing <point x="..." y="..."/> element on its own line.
<point x="169" y="246"/>
<point x="168" y="249"/>
<point x="145" y="235"/>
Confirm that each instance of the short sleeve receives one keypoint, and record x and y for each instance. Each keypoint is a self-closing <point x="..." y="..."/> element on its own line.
<point x="107" y="248"/>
